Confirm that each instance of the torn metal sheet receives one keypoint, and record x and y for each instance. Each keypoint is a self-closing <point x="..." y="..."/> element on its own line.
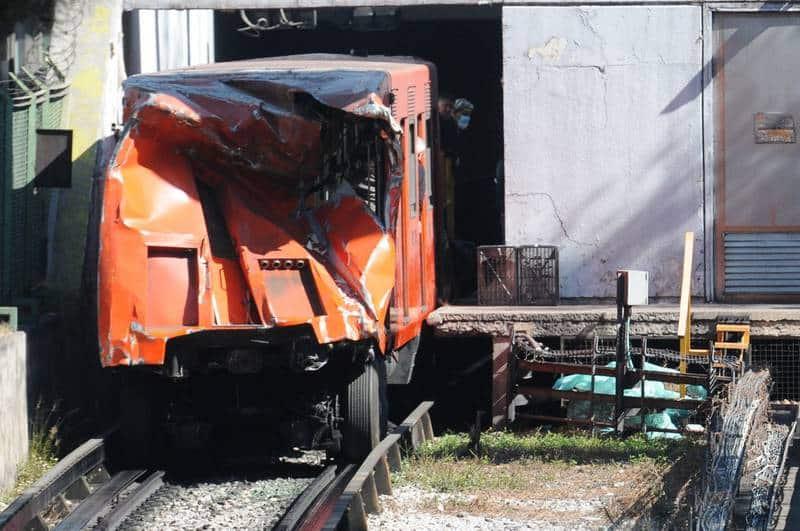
<point x="262" y="195"/>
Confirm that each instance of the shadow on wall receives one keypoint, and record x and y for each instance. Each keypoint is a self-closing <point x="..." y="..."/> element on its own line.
<point x="732" y="47"/>
<point x="640" y="231"/>
<point x="63" y="360"/>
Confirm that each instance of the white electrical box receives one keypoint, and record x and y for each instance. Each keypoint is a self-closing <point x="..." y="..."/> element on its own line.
<point x="635" y="287"/>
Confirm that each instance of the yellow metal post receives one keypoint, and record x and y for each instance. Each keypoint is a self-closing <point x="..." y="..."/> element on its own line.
<point x="685" y="313"/>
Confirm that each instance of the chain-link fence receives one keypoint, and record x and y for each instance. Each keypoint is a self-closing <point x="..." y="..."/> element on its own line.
<point x="782" y="357"/>
<point x="31" y="98"/>
<point x="27" y="105"/>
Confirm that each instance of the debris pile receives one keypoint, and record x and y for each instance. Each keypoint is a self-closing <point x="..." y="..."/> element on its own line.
<point x="765" y="463"/>
<point x="730" y="425"/>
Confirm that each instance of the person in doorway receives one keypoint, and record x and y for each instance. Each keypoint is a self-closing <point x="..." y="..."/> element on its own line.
<point x="462" y="113"/>
<point x="454" y="119"/>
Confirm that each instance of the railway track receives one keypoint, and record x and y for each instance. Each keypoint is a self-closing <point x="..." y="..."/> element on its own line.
<point x="83" y="491"/>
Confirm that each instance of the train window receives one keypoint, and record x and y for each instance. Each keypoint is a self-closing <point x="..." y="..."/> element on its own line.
<point x="426" y="183"/>
<point x="413" y="185"/>
<point x="428" y="129"/>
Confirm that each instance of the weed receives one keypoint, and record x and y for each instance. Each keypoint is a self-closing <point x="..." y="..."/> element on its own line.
<point x="573" y="448"/>
<point x="450" y="475"/>
<point x="42" y="451"/>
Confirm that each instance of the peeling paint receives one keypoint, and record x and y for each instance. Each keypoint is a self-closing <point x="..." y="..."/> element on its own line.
<point x="551" y="51"/>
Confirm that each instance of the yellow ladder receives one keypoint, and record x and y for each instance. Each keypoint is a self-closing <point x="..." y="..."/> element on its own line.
<point x="723" y="343"/>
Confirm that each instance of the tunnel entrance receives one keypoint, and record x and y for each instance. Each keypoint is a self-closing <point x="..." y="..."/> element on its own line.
<point x="465" y="45"/>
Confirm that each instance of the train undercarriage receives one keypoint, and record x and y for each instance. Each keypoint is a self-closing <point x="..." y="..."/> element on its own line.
<point x="256" y="402"/>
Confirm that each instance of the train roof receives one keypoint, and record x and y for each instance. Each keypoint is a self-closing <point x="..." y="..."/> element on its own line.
<point x="301" y="63"/>
<point x="341" y="81"/>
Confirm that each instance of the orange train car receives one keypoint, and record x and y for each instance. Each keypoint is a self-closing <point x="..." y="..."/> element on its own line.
<point x="265" y="248"/>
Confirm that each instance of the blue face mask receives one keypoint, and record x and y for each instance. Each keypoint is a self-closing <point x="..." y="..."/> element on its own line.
<point x="463" y="121"/>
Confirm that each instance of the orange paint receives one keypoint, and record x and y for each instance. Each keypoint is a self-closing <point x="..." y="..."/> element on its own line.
<point x="216" y="214"/>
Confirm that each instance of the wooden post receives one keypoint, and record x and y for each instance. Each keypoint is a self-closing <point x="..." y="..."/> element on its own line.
<point x="685" y="314"/>
<point x="501" y="384"/>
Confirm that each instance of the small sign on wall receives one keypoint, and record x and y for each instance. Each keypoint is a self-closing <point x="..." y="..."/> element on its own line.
<point x="774" y="128"/>
<point x="53" y="158"/>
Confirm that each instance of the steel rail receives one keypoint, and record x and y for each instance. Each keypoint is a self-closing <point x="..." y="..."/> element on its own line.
<point x="121" y="511"/>
<point x="314" y="506"/>
<point x="294" y="515"/>
<point x="29" y="505"/>
<point x="360" y="495"/>
<point x="79" y="492"/>
<point x="88" y="509"/>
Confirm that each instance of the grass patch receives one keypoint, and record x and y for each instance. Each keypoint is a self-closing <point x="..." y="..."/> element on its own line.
<point x="459" y="476"/>
<point x="42" y="452"/>
<point x="575" y="448"/>
<point x="523" y="463"/>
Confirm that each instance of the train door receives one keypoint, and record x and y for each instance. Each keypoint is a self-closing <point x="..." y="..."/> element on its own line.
<point x="757" y="225"/>
<point x="427" y="258"/>
<point x="412" y="292"/>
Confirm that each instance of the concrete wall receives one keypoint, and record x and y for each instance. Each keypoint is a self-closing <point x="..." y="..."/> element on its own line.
<point x="603" y="156"/>
<point x="93" y="105"/>
<point x="13" y="406"/>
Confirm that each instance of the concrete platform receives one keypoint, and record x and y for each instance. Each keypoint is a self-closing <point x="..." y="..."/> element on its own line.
<point x="766" y="321"/>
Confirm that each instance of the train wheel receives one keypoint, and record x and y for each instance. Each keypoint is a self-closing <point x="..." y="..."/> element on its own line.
<point x="363" y="416"/>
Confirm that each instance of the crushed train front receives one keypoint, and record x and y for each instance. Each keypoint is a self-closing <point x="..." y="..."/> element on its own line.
<point x="241" y="203"/>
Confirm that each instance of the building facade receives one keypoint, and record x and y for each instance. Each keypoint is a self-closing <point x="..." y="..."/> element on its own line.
<point x="607" y="130"/>
<point x="626" y="125"/>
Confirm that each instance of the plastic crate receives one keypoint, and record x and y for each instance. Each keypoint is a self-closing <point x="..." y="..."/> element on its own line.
<point x="497" y="275"/>
<point x="517" y="276"/>
<point x="537" y="275"/>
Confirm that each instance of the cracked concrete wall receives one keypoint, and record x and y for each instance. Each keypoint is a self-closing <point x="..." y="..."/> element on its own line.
<point x="14" y="400"/>
<point x="601" y="158"/>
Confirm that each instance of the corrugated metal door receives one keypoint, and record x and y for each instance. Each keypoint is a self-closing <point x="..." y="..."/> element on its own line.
<point x="757" y="106"/>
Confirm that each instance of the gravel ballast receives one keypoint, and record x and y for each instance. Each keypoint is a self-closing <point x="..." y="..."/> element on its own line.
<point x="217" y="505"/>
<point x="412" y="507"/>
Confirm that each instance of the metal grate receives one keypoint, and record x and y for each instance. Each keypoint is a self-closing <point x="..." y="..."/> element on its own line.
<point x="525" y="275"/>
<point x="394" y="96"/>
<point x="23" y="238"/>
<point x="537" y="275"/>
<point x="427" y="99"/>
<point x="497" y="275"/>
<point x="765" y="262"/>
<point x="411" y="100"/>
<point x="783" y="360"/>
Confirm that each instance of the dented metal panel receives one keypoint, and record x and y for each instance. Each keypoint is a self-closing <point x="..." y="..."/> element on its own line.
<point x="244" y="196"/>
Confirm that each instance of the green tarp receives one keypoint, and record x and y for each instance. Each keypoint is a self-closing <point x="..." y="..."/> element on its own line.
<point x="606" y="385"/>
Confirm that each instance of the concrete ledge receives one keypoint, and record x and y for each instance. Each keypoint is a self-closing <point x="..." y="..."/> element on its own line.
<point x="767" y="321"/>
<point x="13" y="406"/>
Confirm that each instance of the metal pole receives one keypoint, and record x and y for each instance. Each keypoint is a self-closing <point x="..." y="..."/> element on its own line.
<point x="623" y="322"/>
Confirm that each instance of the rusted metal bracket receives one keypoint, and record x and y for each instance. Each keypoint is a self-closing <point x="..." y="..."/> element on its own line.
<point x="61" y="477"/>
